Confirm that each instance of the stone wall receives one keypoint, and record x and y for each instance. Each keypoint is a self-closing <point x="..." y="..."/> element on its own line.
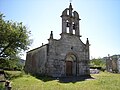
<point x="113" y="63"/>
<point x="58" y="50"/>
<point x="36" y="60"/>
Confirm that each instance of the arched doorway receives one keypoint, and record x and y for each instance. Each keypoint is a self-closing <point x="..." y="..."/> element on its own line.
<point x="70" y="65"/>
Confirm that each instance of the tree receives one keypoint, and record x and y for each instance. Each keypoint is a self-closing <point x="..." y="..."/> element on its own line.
<point x="99" y="62"/>
<point x="14" y="38"/>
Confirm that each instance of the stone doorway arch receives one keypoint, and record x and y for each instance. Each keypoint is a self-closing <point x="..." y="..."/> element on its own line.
<point x="71" y="65"/>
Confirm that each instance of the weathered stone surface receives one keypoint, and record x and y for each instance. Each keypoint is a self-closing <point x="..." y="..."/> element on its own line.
<point x="68" y="56"/>
<point x="113" y="63"/>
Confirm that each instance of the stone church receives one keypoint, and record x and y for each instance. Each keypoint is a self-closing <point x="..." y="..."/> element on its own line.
<point x="67" y="56"/>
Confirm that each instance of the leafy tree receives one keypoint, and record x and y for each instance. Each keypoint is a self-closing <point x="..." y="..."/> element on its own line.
<point x="99" y="62"/>
<point x="14" y="38"/>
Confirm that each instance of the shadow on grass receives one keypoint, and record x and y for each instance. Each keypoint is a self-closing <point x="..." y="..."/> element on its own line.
<point x="74" y="79"/>
<point x="45" y="78"/>
<point x="69" y="79"/>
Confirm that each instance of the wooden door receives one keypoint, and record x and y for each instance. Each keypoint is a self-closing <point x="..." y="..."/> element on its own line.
<point x="69" y="68"/>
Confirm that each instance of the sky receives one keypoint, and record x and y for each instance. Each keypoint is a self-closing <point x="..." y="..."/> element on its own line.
<point x="100" y="21"/>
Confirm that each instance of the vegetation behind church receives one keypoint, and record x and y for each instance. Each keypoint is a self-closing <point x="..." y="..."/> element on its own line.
<point x="98" y="63"/>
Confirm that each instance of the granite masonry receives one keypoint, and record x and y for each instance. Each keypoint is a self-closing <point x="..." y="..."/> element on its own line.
<point x="113" y="63"/>
<point x="68" y="56"/>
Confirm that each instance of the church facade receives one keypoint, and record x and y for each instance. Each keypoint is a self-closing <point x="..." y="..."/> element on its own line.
<point x="68" y="56"/>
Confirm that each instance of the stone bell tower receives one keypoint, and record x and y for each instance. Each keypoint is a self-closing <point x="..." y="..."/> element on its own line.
<point x="70" y="21"/>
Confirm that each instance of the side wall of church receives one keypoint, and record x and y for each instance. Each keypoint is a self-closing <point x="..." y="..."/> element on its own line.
<point x="36" y="61"/>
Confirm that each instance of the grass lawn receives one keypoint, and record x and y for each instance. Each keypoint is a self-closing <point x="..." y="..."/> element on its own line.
<point x="102" y="81"/>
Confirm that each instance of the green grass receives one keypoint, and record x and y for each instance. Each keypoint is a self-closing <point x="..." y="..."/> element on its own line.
<point x="102" y="81"/>
<point x="13" y="74"/>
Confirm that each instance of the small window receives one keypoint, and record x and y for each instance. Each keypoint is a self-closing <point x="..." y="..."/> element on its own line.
<point x="72" y="47"/>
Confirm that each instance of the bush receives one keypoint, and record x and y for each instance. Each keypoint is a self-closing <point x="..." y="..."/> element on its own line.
<point x="98" y="63"/>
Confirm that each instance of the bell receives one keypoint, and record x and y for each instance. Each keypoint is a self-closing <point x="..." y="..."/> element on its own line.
<point x="67" y="24"/>
<point x="73" y="26"/>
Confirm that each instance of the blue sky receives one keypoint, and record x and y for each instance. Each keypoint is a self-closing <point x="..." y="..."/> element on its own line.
<point x="100" y="21"/>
